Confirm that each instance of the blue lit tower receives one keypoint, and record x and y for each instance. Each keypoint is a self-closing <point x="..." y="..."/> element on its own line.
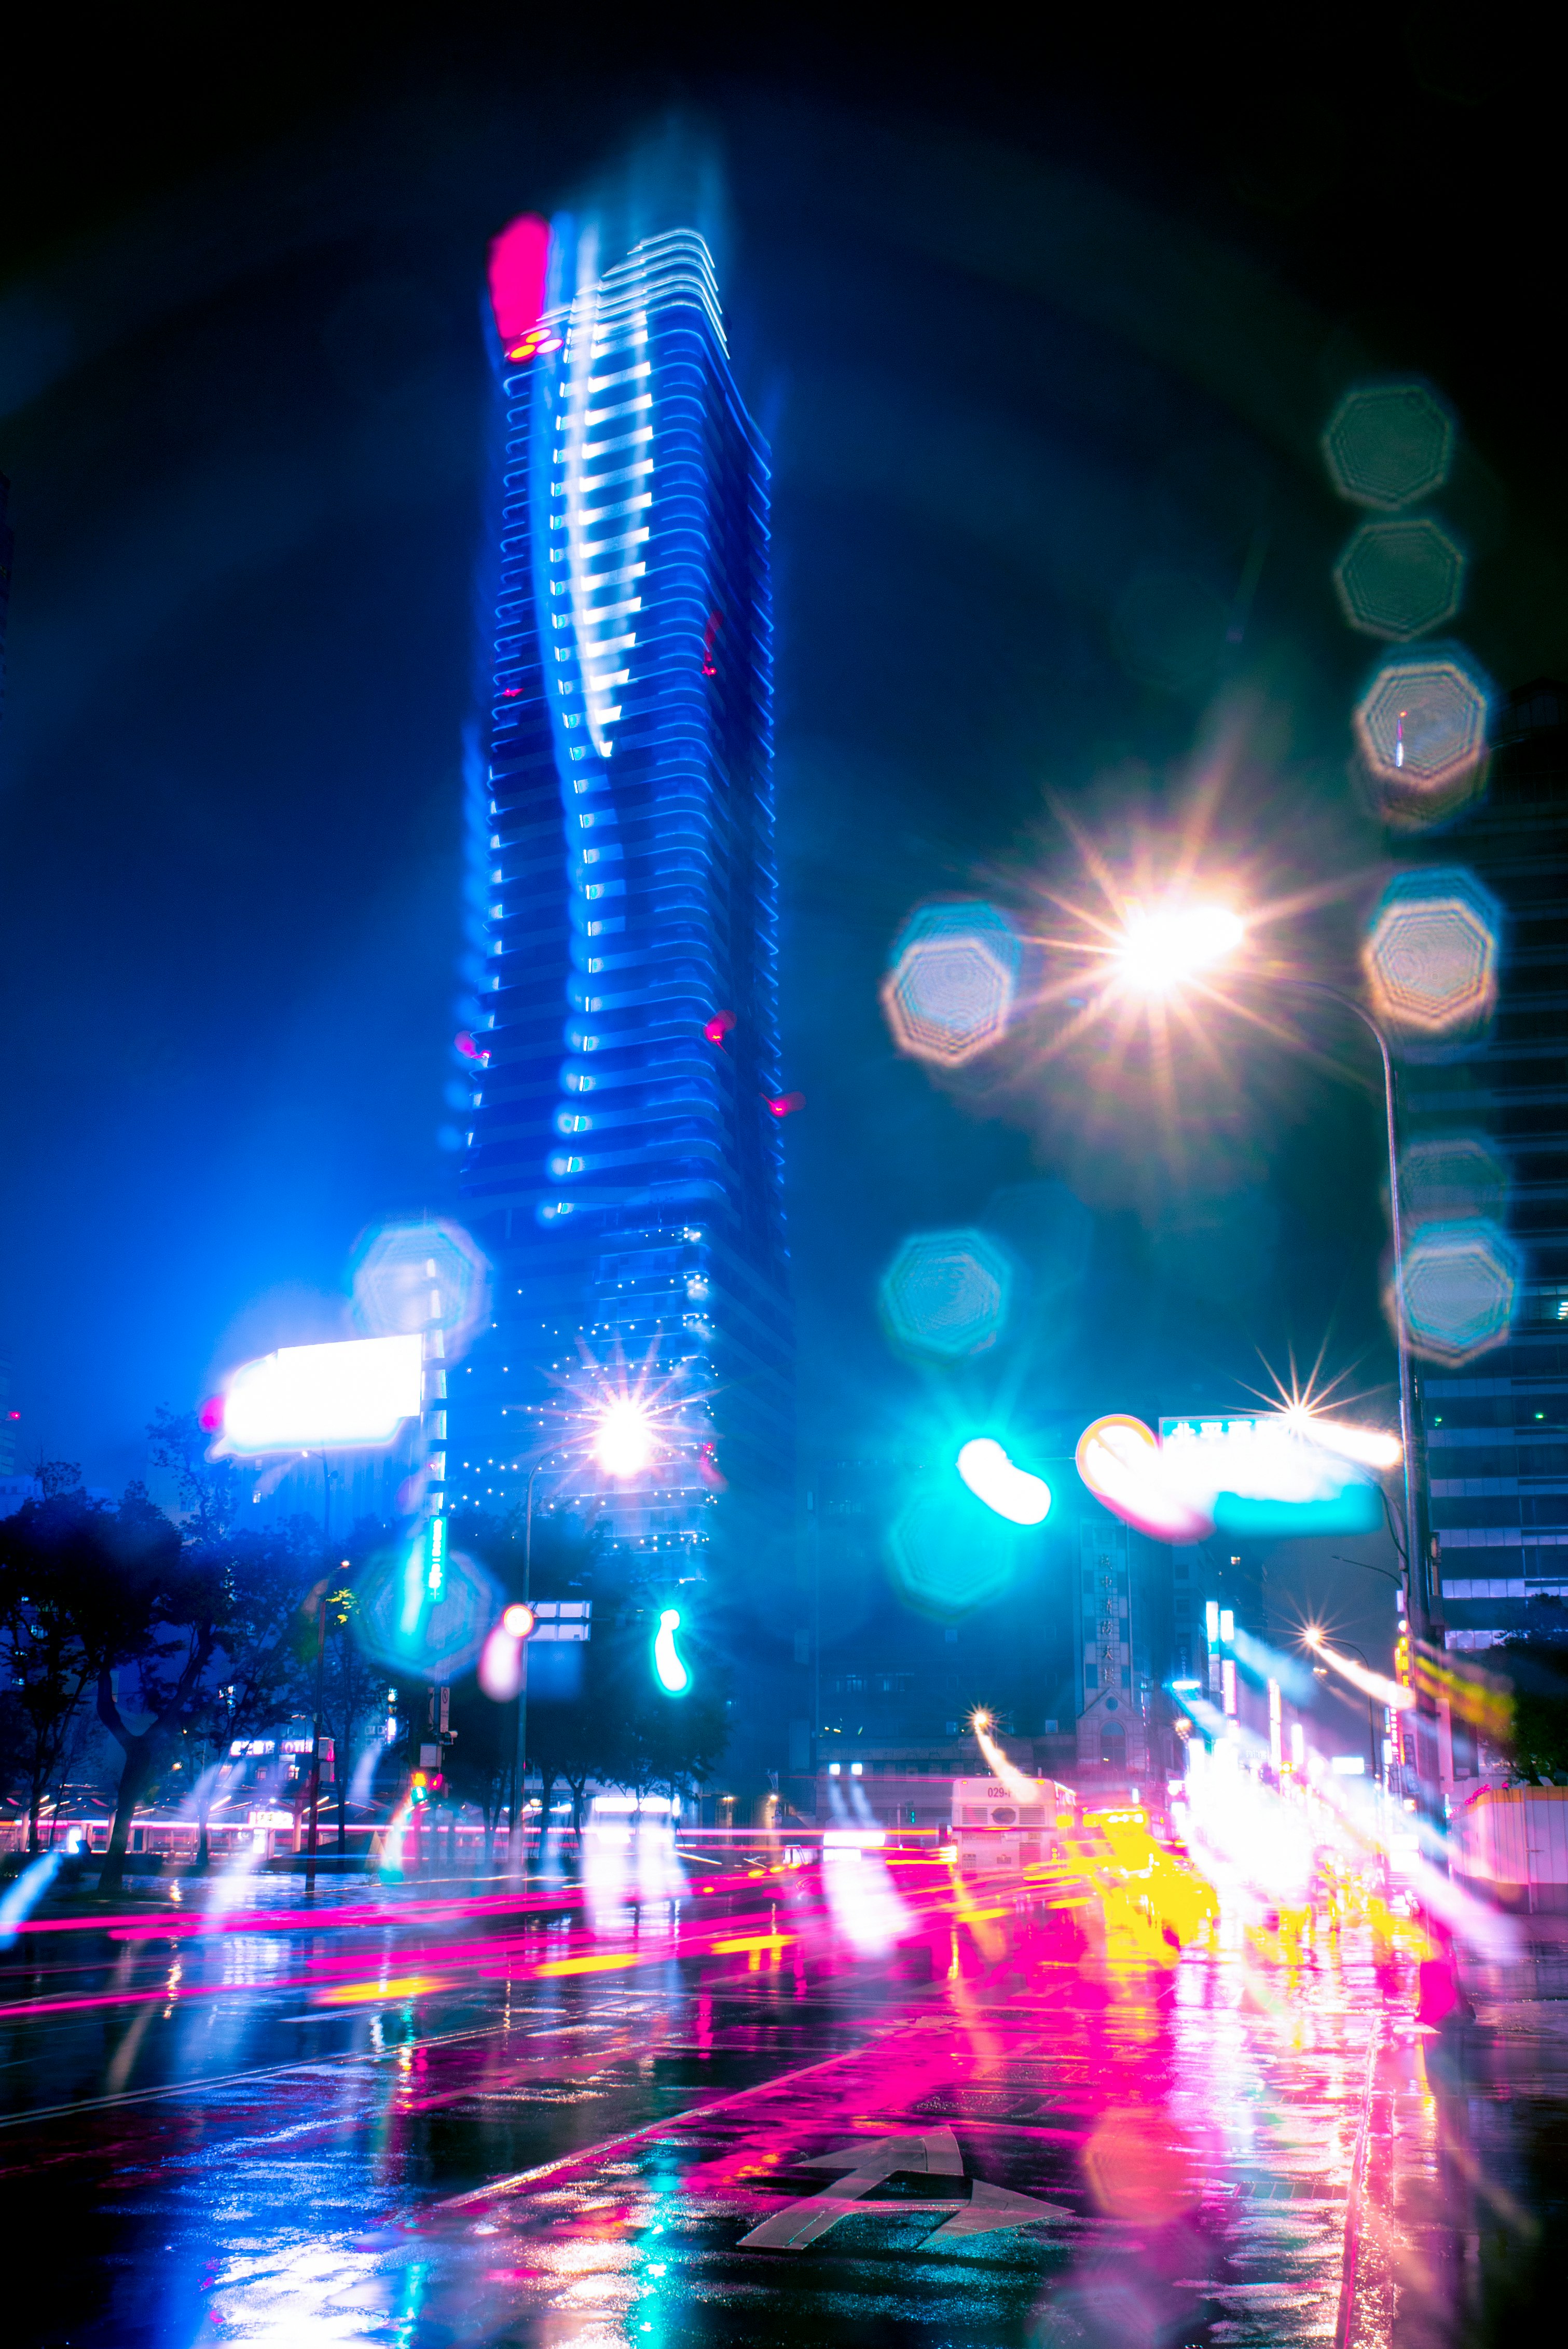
<point x="624" y="1163"/>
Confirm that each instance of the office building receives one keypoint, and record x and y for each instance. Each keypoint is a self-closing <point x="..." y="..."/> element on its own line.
<point x="1495" y="1427"/>
<point x="623" y="1102"/>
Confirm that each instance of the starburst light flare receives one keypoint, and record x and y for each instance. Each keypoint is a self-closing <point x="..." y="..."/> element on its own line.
<point x="1164" y="945"/>
<point x="625" y="1441"/>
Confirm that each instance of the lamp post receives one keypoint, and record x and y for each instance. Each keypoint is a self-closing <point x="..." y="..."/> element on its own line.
<point x="1416" y="1576"/>
<point x="520" y="1765"/>
<point x="313" y="1838"/>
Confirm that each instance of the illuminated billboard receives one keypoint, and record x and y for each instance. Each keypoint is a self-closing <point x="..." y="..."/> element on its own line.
<point x="324" y="1398"/>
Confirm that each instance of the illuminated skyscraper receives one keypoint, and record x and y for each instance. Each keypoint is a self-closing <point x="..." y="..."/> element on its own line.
<point x="624" y="1157"/>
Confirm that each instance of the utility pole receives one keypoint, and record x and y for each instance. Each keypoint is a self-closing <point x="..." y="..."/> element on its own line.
<point x="519" y="1766"/>
<point x="320" y="1665"/>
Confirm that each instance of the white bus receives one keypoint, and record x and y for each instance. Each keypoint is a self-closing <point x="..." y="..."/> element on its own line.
<point x="997" y="1833"/>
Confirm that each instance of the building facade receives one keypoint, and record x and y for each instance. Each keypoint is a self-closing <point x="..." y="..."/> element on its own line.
<point x="1495" y="1428"/>
<point x="623" y="1159"/>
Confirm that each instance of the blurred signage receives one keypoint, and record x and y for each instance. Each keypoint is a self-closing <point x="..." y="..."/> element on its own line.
<point x="563" y="1618"/>
<point x="1268" y="1477"/>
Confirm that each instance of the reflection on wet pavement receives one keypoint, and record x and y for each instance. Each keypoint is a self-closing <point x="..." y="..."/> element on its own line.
<point x="1029" y="2148"/>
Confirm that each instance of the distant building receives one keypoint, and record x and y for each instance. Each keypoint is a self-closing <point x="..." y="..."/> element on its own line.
<point x="1495" y="1428"/>
<point x="623" y="1120"/>
<point x="1070" y="1661"/>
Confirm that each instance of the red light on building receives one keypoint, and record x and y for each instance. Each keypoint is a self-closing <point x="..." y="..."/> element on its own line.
<point x="718" y="1027"/>
<point x="708" y="1469"/>
<point x="518" y="264"/>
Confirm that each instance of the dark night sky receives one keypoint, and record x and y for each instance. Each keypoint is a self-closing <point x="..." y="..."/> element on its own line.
<point x="1043" y="344"/>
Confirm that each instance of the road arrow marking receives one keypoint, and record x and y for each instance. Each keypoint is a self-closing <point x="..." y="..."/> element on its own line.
<point x="935" y="2152"/>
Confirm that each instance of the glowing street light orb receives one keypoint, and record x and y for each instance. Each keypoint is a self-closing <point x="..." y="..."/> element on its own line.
<point x="1421" y="724"/>
<point x="1120" y="1459"/>
<point x="517" y="1621"/>
<point x="1461" y="1284"/>
<point x="1013" y="1493"/>
<point x="1430" y="954"/>
<point x="625" y="1443"/>
<point x="1164" y="945"/>
<point x="946" y="1295"/>
<point x="671" y="1673"/>
<point x="949" y="993"/>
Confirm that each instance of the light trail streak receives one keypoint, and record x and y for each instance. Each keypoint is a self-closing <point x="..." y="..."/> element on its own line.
<point x="464" y="1966"/>
<point x="1022" y="1789"/>
<point x="1372" y="1684"/>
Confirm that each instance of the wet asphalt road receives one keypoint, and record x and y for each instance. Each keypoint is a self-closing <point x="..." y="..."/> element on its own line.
<point x="416" y="2126"/>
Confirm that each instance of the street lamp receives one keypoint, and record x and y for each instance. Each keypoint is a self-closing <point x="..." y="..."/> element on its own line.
<point x="623" y="1442"/>
<point x="1160" y="949"/>
<point x="1164" y="945"/>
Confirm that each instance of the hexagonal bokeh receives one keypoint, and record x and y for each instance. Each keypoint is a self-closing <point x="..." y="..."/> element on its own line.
<point x="1431" y="953"/>
<point x="1401" y="579"/>
<point x="1458" y="1178"/>
<point x="1388" y="444"/>
<point x="949" y="993"/>
<point x="948" y="1553"/>
<point x="410" y="1277"/>
<point x="1421" y="723"/>
<point x="410" y="1627"/>
<point x="1462" y="1280"/>
<point x="945" y="1295"/>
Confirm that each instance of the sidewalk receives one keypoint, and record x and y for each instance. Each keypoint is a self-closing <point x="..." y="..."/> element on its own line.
<point x="1465" y="2136"/>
